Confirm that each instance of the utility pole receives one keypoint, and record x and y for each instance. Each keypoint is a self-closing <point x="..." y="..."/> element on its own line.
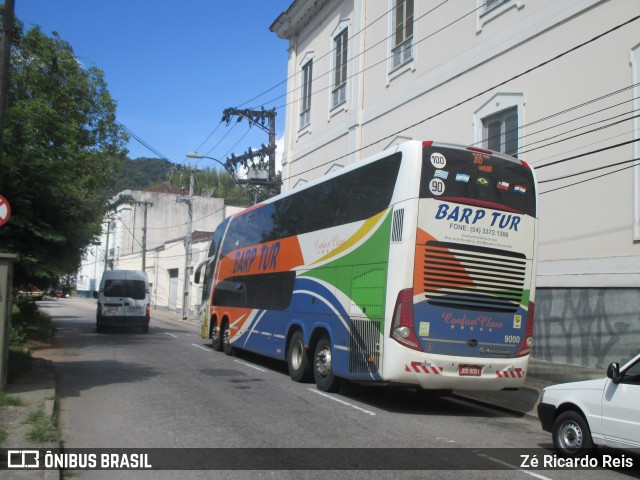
<point x="187" y="247"/>
<point x="106" y="250"/>
<point x="144" y="234"/>
<point x="129" y="200"/>
<point x="5" y="63"/>
<point x="257" y="117"/>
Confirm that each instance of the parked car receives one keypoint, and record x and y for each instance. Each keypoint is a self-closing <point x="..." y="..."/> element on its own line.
<point x="31" y="292"/>
<point x="123" y="300"/>
<point x="584" y="415"/>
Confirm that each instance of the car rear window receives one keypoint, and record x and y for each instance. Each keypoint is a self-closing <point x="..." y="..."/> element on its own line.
<point x="125" y="288"/>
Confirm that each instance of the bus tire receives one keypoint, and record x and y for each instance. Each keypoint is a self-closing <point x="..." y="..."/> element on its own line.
<point x="216" y="339"/>
<point x="298" y="359"/>
<point x="323" y="366"/>
<point x="226" y="340"/>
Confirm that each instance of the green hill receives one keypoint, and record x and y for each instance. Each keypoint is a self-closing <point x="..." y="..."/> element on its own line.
<point x="139" y="174"/>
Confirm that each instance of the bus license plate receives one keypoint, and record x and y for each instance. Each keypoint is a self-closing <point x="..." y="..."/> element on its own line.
<point x="469" y="370"/>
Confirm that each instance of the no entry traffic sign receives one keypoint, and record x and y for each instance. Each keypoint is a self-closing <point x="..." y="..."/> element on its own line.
<point x="5" y="210"/>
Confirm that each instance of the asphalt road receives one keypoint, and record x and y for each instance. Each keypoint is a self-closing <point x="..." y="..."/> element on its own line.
<point x="169" y="389"/>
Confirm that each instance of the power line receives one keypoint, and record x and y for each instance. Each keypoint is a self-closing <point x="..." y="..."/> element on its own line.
<point x="353" y="58"/>
<point x="385" y="60"/>
<point x="591" y="170"/>
<point x="593" y="178"/>
<point x="557" y="162"/>
<point x="330" y="52"/>
<point x="352" y="37"/>
<point x="562" y="112"/>
<point x="477" y="95"/>
<point x="585" y="145"/>
<point x="613" y="124"/>
<point x="208" y="137"/>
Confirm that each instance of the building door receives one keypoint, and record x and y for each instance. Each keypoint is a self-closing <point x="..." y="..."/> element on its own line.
<point x="173" y="288"/>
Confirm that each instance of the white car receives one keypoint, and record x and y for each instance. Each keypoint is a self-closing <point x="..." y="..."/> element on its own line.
<point x="584" y="415"/>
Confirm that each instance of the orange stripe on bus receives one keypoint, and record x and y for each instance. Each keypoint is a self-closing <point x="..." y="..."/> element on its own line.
<point x="270" y="257"/>
<point x="450" y="263"/>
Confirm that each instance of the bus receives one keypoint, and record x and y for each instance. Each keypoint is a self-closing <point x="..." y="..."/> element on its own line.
<point x="414" y="267"/>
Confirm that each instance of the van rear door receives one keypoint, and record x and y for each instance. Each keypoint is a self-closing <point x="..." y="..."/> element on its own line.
<point x="124" y="298"/>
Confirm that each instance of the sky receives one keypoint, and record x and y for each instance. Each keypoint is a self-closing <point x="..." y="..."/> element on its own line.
<point x="173" y="67"/>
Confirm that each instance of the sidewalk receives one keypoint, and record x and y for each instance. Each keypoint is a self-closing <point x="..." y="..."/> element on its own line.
<point x="36" y="390"/>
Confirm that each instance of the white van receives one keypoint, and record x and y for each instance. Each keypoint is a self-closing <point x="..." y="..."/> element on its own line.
<point x="124" y="300"/>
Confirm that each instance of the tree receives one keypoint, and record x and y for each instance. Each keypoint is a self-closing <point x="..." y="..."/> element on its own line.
<point x="62" y="145"/>
<point x="210" y="182"/>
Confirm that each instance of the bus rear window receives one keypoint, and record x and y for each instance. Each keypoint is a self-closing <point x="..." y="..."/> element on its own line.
<point x="466" y="176"/>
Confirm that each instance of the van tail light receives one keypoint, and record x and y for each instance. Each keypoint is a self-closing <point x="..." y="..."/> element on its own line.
<point x="99" y="309"/>
<point x="148" y="312"/>
<point x="527" y="341"/>
<point x="402" y="328"/>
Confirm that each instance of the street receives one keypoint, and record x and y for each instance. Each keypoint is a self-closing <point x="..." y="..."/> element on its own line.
<point x="169" y="389"/>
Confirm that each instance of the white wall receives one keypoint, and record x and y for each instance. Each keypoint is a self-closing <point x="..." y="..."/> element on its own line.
<point x="166" y="229"/>
<point x="587" y="236"/>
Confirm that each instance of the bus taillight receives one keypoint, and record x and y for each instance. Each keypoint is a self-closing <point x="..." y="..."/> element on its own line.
<point x="480" y="150"/>
<point x="527" y="341"/>
<point x="402" y="327"/>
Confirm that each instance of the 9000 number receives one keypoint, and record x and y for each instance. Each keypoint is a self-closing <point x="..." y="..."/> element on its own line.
<point x="511" y="339"/>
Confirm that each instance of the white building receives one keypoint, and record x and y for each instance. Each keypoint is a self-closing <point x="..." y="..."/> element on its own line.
<point x="546" y="80"/>
<point x="162" y="238"/>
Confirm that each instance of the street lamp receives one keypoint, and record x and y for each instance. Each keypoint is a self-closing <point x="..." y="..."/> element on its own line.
<point x="199" y="156"/>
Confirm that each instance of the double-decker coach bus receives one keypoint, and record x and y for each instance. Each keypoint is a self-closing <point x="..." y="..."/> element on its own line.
<point x="415" y="266"/>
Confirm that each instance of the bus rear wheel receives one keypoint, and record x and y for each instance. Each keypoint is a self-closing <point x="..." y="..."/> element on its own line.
<point x="226" y="339"/>
<point x="216" y="339"/>
<point x="323" y="367"/>
<point x="298" y="360"/>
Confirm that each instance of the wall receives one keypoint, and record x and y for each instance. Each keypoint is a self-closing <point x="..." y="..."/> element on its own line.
<point x="166" y="219"/>
<point x="589" y="269"/>
<point x="170" y="257"/>
<point x="587" y="327"/>
<point x="166" y="222"/>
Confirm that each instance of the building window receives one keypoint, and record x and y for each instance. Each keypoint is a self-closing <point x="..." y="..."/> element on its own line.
<point x="305" y="110"/>
<point x="402" y="51"/>
<point x="500" y="131"/>
<point x="498" y="123"/>
<point x="491" y="4"/>
<point x="340" y="75"/>
<point x="490" y="9"/>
